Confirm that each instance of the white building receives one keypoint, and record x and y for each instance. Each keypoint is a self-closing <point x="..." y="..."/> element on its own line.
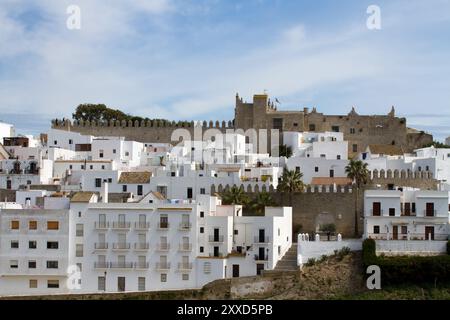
<point x="6" y="130"/>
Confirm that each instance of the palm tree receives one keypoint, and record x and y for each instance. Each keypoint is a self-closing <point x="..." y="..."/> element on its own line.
<point x="234" y="196"/>
<point x="357" y="171"/>
<point x="262" y="200"/>
<point x="291" y="181"/>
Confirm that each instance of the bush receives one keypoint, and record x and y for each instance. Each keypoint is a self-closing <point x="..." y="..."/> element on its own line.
<point x="369" y="252"/>
<point x="310" y="262"/>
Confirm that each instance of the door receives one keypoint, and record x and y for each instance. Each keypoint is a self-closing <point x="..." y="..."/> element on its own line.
<point x="235" y="271"/>
<point x="189" y="193"/>
<point x="216" y="251"/>
<point x="407" y="209"/>
<point x="376" y="208"/>
<point x="140" y="190"/>
<point x="429" y="233"/>
<point x="430" y="209"/>
<point x="121" y="284"/>
<point x="395" y="233"/>
<point x="262" y="235"/>
<point x="216" y="235"/>
<point x="261" y="254"/>
<point x="331" y="173"/>
<point x="8" y="184"/>
<point x="259" y="268"/>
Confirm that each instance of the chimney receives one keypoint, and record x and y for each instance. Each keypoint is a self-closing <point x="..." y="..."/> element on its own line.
<point x="104" y="192"/>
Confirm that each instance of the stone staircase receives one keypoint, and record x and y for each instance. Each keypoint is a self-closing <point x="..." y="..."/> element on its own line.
<point x="289" y="261"/>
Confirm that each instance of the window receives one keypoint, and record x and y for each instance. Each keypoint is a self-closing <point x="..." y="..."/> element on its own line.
<point x="52" y="245"/>
<point x="427" y="168"/>
<point x="79" y="251"/>
<point x="420" y="169"/>
<point x="404" y="229"/>
<point x="163" y="277"/>
<point x="391" y="212"/>
<point x="141" y="283"/>
<point x="207" y="267"/>
<point x="32" y="244"/>
<point x="295" y="124"/>
<point x="173" y="174"/>
<point x="91" y="167"/>
<point x="33" y="284"/>
<point x="53" y="284"/>
<point x="114" y="151"/>
<point x="140" y="189"/>
<point x="202" y="214"/>
<point x="202" y="191"/>
<point x="109" y="180"/>
<point x="32" y="225"/>
<point x="127" y="154"/>
<point x="331" y="173"/>
<point x="14" y="264"/>
<point x="32" y="264"/>
<point x="100" y="153"/>
<point x="202" y="230"/>
<point x="236" y="232"/>
<point x="189" y="193"/>
<point x="82" y="167"/>
<point x="339" y="157"/>
<point x="55" y="142"/>
<point x="70" y="141"/>
<point x="101" y="283"/>
<point x="79" y="230"/>
<point x="376" y="229"/>
<point x="14" y="244"/>
<point x="355" y="148"/>
<point x="52" y="264"/>
<point x="316" y="169"/>
<point x="70" y="167"/>
<point x="52" y="225"/>
<point x="202" y="249"/>
<point x="79" y="214"/>
<point x="15" y="225"/>
<point x="312" y="127"/>
<point x="185" y="276"/>
<point x="352" y="130"/>
<point x="98" y="182"/>
<point x="124" y="188"/>
<point x="79" y="267"/>
<point x="335" y="128"/>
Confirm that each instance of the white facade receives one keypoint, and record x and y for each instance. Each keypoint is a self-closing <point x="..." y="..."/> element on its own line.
<point x="6" y="131"/>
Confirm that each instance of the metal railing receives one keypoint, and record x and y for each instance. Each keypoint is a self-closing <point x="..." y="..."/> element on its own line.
<point x="404" y="236"/>
<point x="259" y="239"/>
<point x="121" y="246"/>
<point x="162" y="266"/>
<point x="141" y="265"/>
<point x="163" y="225"/>
<point x="261" y="257"/>
<point x="121" y="265"/>
<point x="216" y="238"/>
<point x="101" y="225"/>
<point x="184" y="266"/>
<point x="185" y="247"/>
<point x="185" y="226"/>
<point x="163" y="246"/>
<point x="101" y="246"/>
<point x="121" y="225"/>
<point x="142" y="225"/>
<point x="378" y="213"/>
<point x="101" y="265"/>
<point x="141" y="246"/>
<point x="429" y="213"/>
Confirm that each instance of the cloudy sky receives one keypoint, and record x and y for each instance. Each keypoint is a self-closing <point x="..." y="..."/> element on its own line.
<point x="186" y="59"/>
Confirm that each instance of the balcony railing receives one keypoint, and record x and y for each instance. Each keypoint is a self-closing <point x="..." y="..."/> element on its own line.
<point x="376" y="213"/>
<point x="163" y="225"/>
<point x="430" y="213"/>
<point x="101" y="265"/>
<point x="403" y="236"/>
<point x="163" y="247"/>
<point x="185" y="226"/>
<point x="162" y="266"/>
<point x="217" y="239"/>
<point x="261" y="257"/>
<point x="141" y="265"/>
<point x="101" y="246"/>
<point x="121" y="246"/>
<point x="142" y="225"/>
<point x="186" y="247"/>
<point x="261" y="239"/>
<point x="141" y="246"/>
<point x="184" y="266"/>
<point x="101" y="225"/>
<point x="121" y="225"/>
<point x="121" y="265"/>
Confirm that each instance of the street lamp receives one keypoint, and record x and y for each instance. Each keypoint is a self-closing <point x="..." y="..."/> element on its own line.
<point x="104" y="287"/>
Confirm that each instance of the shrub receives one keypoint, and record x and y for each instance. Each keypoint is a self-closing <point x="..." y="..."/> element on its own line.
<point x="310" y="262"/>
<point x="323" y="258"/>
<point x="369" y="252"/>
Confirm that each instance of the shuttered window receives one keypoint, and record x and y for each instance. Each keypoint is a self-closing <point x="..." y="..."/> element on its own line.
<point x="52" y="225"/>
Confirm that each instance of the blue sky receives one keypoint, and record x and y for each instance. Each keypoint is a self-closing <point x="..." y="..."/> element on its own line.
<point x="186" y="59"/>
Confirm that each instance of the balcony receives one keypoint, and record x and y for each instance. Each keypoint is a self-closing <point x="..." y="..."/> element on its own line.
<point x="261" y="240"/>
<point x="162" y="266"/>
<point x="261" y="257"/>
<point x="141" y="265"/>
<point x="121" y="246"/>
<point x="121" y="265"/>
<point x="142" y="226"/>
<point x="216" y="239"/>
<point x="101" y="265"/>
<point x="121" y="225"/>
<point x="163" y="247"/>
<point x="141" y="246"/>
<point x="404" y="237"/>
<point x="101" y="225"/>
<point x="185" y="247"/>
<point x="184" y="266"/>
<point x="430" y="213"/>
<point x="376" y="213"/>
<point x="163" y="226"/>
<point x="101" y="246"/>
<point x="185" y="226"/>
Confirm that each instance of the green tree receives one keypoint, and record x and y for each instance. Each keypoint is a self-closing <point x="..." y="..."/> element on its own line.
<point x="291" y="181"/>
<point x="285" y="151"/>
<point x="436" y="144"/>
<point x="262" y="200"/>
<point x="357" y="171"/>
<point x="234" y="196"/>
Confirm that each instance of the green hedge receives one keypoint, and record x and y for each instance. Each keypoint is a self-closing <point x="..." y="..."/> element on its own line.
<point x="408" y="269"/>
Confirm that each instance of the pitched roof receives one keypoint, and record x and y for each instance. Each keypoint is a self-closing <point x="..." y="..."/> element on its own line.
<point x="326" y="181"/>
<point x="386" y="149"/>
<point x="82" y="196"/>
<point x="135" y="177"/>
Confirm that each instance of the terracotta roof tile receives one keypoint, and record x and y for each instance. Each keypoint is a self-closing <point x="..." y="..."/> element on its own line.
<point x="135" y="177"/>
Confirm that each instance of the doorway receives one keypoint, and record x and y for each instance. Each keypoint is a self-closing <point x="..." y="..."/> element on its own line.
<point x="121" y="284"/>
<point x="395" y="233"/>
<point x="235" y="271"/>
<point x="429" y="233"/>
